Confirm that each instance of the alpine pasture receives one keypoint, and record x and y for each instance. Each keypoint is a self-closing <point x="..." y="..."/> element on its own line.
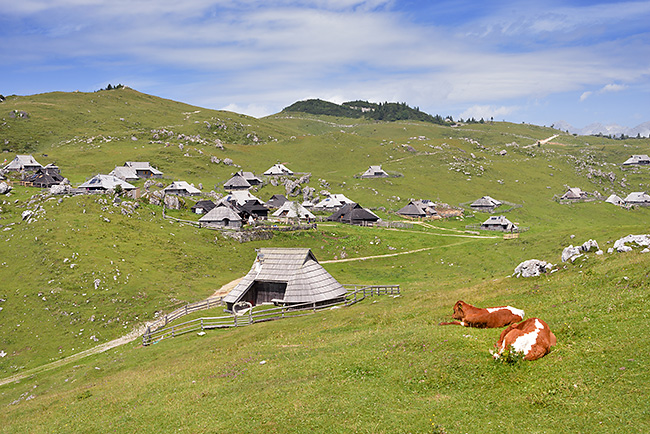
<point x="81" y="273"/>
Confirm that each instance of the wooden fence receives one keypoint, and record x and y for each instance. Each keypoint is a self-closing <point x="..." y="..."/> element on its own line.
<point x="256" y="314"/>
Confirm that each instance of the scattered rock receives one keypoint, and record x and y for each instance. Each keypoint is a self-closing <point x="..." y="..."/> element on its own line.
<point x="532" y="268"/>
<point x="639" y="240"/>
<point x="5" y="188"/>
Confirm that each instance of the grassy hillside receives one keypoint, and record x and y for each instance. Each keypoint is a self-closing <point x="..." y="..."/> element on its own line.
<point x="85" y="270"/>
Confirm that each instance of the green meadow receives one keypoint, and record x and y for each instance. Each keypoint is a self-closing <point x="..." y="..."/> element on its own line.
<point x="85" y="270"/>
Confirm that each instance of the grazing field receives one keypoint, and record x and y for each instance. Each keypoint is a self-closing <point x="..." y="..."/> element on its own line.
<point x="85" y="270"/>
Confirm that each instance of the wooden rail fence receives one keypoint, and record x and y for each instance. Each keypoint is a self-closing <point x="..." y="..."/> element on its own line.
<point x="256" y="314"/>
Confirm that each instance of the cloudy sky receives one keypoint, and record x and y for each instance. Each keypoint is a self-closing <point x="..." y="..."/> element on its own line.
<point x="578" y="61"/>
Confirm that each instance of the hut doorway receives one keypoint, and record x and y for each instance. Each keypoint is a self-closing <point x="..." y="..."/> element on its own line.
<point x="265" y="292"/>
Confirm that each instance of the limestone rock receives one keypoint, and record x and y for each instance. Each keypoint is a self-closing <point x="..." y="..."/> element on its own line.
<point x="5" y="188"/>
<point x="532" y="268"/>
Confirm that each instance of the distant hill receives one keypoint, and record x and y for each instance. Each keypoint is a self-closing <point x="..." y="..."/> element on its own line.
<point x="388" y="111"/>
<point x="614" y="130"/>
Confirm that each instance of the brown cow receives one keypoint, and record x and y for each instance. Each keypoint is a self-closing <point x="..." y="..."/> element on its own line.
<point x="491" y="317"/>
<point x="532" y="337"/>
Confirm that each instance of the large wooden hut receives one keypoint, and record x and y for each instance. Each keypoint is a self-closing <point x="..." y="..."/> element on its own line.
<point x="286" y="276"/>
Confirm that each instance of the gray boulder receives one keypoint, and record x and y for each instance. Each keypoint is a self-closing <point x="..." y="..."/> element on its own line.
<point x="532" y="268"/>
<point x="5" y="188"/>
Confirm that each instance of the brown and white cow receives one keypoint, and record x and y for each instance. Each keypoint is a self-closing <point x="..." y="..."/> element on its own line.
<point x="532" y="337"/>
<point x="491" y="317"/>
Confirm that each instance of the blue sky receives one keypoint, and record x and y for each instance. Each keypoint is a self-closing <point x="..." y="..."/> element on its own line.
<point x="578" y="61"/>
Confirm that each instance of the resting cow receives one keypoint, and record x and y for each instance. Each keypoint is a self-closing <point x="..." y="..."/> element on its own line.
<point x="491" y="317"/>
<point x="532" y="337"/>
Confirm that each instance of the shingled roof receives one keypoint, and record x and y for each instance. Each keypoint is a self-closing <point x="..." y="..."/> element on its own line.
<point x="289" y="275"/>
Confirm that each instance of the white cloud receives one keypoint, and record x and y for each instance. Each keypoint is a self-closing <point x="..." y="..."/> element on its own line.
<point x="585" y="95"/>
<point x="612" y="88"/>
<point x="487" y="112"/>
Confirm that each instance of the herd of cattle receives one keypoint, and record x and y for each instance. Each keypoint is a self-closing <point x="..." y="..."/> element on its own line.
<point x="532" y="337"/>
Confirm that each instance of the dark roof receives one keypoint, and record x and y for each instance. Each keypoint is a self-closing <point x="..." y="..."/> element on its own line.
<point x="276" y="201"/>
<point x="412" y="210"/>
<point x="353" y="213"/>
<point x="205" y="205"/>
<point x="253" y="207"/>
<point x="45" y="178"/>
<point x="237" y="182"/>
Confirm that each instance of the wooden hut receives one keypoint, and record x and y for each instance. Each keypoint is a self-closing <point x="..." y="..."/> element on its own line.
<point x="354" y="214"/>
<point x="143" y="169"/>
<point x="237" y="182"/>
<point x="286" y="276"/>
<point x="276" y="201"/>
<point x="104" y="183"/>
<point x="499" y="223"/>
<point x="278" y="170"/>
<point x="412" y="210"/>
<point x="203" y="207"/>
<point x="293" y="210"/>
<point x="221" y="216"/>
<point x="638" y="198"/>
<point x="486" y="203"/>
<point x="374" y="172"/>
<point x="615" y="200"/>
<point x="640" y="160"/>
<point x="574" y="194"/>
<point x="23" y="162"/>
<point x="182" y="188"/>
<point x="45" y="177"/>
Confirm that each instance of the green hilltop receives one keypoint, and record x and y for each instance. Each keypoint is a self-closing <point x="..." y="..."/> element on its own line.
<point x="85" y="270"/>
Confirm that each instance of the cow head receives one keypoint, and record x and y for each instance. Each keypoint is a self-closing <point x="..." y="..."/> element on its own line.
<point x="458" y="310"/>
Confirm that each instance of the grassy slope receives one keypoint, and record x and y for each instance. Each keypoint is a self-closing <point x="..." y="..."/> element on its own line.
<point x="325" y="372"/>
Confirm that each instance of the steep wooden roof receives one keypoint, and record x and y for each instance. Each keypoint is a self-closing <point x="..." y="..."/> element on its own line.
<point x="307" y="281"/>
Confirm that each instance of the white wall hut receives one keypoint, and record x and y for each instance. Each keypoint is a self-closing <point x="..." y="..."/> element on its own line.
<point x="251" y="178"/>
<point x="293" y="210"/>
<point x="374" y="172"/>
<point x="615" y="200"/>
<point x="182" y="188"/>
<point x="144" y="169"/>
<point x="574" y="194"/>
<point x="240" y="197"/>
<point x="287" y="276"/>
<point x="638" y="198"/>
<point x="103" y="183"/>
<point x="23" y="162"/>
<point x="499" y="223"/>
<point x="125" y="173"/>
<point x="221" y="216"/>
<point x="332" y="202"/>
<point x="640" y="159"/>
<point x="278" y="170"/>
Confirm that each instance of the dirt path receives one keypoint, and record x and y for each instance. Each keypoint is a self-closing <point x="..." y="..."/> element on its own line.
<point x="135" y="334"/>
<point x="132" y="336"/>
<point x="542" y="142"/>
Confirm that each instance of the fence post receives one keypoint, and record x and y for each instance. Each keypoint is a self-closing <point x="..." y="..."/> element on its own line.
<point x="250" y="316"/>
<point x="173" y="335"/>
<point x="201" y="324"/>
<point x="234" y="316"/>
